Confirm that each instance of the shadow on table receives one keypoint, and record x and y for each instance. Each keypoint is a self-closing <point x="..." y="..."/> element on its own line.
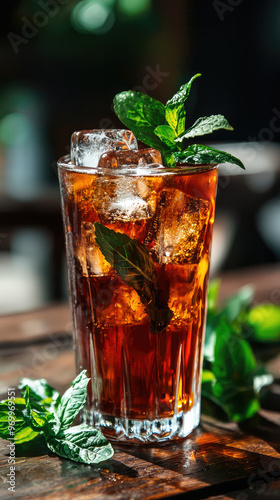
<point x="263" y="428"/>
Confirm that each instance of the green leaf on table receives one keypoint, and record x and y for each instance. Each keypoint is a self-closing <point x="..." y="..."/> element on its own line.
<point x="26" y="397"/>
<point x="175" y="107"/>
<point x="14" y="425"/>
<point x="213" y="295"/>
<point x="40" y="391"/>
<point x="207" y="376"/>
<point x="205" y="125"/>
<point x="238" y="303"/>
<point x="81" y="443"/>
<point x="210" y="337"/>
<point x="196" y="154"/>
<point x="43" y="420"/>
<point x="132" y="262"/>
<point x="25" y="434"/>
<point x="264" y="320"/>
<point x="213" y="318"/>
<point x="38" y="417"/>
<point x="234" y="368"/>
<point x="141" y="114"/>
<point x="72" y="401"/>
<point x="30" y="424"/>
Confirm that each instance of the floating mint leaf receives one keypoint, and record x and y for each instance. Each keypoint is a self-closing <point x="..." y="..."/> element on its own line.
<point x="196" y="154"/>
<point x="133" y="263"/>
<point x="205" y="125"/>
<point x="81" y="443"/>
<point x="175" y="108"/>
<point x="141" y="114"/>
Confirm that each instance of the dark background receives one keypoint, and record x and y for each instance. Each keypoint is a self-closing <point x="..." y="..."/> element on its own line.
<point x="60" y="72"/>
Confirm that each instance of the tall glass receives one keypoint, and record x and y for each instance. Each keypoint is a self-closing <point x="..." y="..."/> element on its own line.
<point x="142" y="349"/>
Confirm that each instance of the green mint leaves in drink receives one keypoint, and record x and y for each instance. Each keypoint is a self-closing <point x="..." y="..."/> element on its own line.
<point x="132" y="262"/>
<point x="42" y="412"/>
<point x="164" y="127"/>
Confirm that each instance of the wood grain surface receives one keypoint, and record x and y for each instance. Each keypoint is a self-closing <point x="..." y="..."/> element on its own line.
<point x="217" y="461"/>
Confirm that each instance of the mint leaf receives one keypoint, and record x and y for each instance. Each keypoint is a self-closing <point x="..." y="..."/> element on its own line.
<point x="234" y="368"/>
<point x="82" y="444"/>
<point x="205" y="125"/>
<point x="238" y="303"/>
<point x="133" y="263"/>
<point x="141" y="114"/>
<point x="38" y="417"/>
<point x="264" y="320"/>
<point x="32" y="424"/>
<point x="72" y="401"/>
<point x="24" y="434"/>
<point x="40" y="391"/>
<point x="196" y="154"/>
<point x="167" y="136"/>
<point x="20" y="431"/>
<point x="207" y="376"/>
<point x="175" y="109"/>
<point x="213" y="294"/>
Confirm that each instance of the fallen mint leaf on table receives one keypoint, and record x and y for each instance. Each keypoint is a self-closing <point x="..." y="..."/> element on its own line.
<point x="81" y="443"/>
<point x="232" y="378"/>
<point x="41" y="392"/>
<point x="132" y="262"/>
<point x="264" y="319"/>
<point x="42" y="412"/>
<point x="72" y="401"/>
<point x="22" y="430"/>
<point x="234" y="371"/>
<point x="164" y="127"/>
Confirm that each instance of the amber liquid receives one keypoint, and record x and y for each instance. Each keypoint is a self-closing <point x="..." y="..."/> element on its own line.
<point x="135" y="373"/>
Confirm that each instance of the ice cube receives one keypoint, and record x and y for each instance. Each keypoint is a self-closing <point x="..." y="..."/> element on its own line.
<point x="88" y="145"/>
<point x="118" y="200"/>
<point x="133" y="157"/>
<point x="180" y="227"/>
<point x="124" y="198"/>
<point x="88" y="253"/>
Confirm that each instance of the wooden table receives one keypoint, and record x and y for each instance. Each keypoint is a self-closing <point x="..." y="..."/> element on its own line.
<point x="218" y="460"/>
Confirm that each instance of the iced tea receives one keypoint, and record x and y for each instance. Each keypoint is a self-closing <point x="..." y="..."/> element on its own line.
<point x="145" y="376"/>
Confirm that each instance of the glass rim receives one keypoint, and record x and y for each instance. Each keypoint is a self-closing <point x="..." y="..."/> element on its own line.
<point x="153" y="169"/>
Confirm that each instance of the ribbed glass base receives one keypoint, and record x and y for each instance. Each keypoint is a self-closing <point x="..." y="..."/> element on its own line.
<point x="128" y="431"/>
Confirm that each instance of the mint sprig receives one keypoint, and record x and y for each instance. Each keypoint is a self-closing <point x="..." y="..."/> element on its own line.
<point x="232" y="378"/>
<point x="41" y="411"/>
<point x="164" y="127"/>
<point x="132" y="261"/>
<point x="205" y="125"/>
<point x="196" y="154"/>
<point x="175" y="112"/>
